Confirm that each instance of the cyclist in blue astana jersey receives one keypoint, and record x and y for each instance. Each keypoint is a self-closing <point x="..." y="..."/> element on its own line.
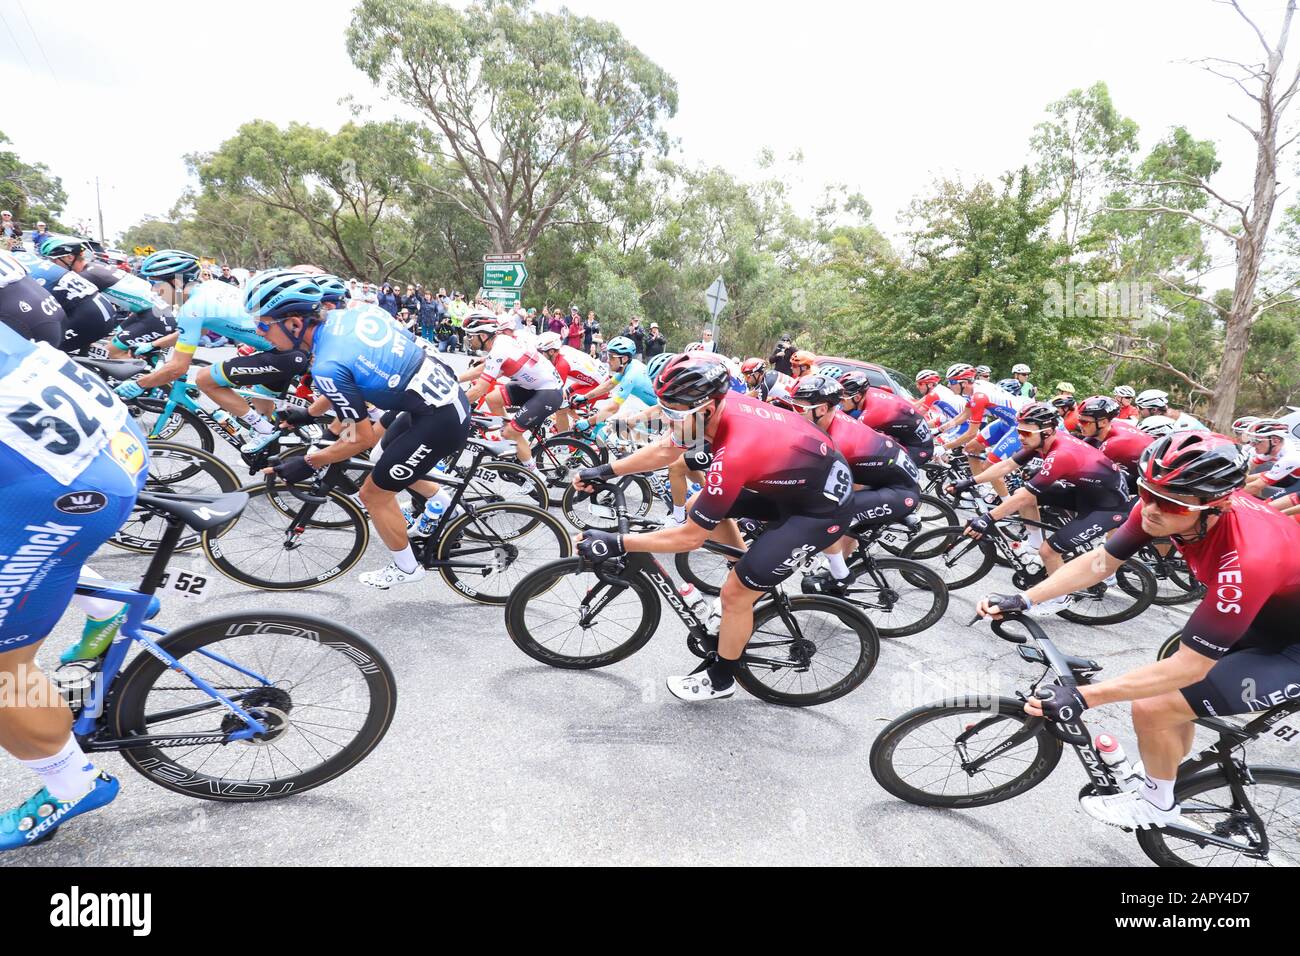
<point x="71" y="464"/>
<point x="151" y="323"/>
<point x="360" y="356"/>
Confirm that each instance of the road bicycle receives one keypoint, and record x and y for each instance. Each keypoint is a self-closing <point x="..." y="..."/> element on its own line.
<point x="805" y="649"/>
<point x="294" y="537"/>
<point x="974" y="751"/>
<point x="178" y="469"/>
<point x="962" y="561"/>
<point x="250" y="705"/>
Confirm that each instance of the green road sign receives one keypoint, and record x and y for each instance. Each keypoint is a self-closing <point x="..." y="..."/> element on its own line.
<point x="508" y="297"/>
<point x="504" y="275"/>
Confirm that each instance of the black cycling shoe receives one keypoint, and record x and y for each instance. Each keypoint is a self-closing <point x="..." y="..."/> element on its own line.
<point x="823" y="582"/>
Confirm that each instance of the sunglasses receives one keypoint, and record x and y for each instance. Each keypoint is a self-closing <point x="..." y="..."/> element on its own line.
<point x="1028" y="432"/>
<point x="1149" y="496"/>
<point x="674" y="415"/>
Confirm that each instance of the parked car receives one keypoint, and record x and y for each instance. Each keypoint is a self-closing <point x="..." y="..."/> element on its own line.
<point x="878" y="375"/>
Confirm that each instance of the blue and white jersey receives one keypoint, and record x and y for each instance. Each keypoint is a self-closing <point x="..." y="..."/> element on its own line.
<point x="217" y="306"/>
<point x="66" y="286"/>
<point x="360" y="355"/>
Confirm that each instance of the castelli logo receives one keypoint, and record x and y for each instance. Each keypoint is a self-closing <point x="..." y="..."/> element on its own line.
<point x="833" y="529"/>
<point x="909" y="502"/>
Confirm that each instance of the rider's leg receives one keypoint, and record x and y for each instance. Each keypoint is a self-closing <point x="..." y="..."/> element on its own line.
<point x="737" y="617"/>
<point x="677" y="484"/>
<point x="35" y="721"/>
<point x="1165" y="732"/>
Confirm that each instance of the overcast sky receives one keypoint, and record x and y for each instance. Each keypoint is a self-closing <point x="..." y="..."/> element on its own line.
<point x="883" y="97"/>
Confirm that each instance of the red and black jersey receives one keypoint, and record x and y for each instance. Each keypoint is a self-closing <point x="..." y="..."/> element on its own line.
<point x="1124" y="447"/>
<point x="896" y="417"/>
<point x="773" y="453"/>
<point x="1075" y="475"/>
<point x="1249" y="563"/>
<point x="876" y="460"/>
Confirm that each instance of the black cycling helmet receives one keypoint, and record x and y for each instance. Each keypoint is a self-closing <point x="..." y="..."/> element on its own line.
<point x="1064" y="403"/>
<point x="1198" y="463"/>
<point x="816" y="390"/>
<point x="1039" y="414"/>
<point x="854" y="383"/>
<point x="1099" y="406"/>
<point x="691" y="379"/>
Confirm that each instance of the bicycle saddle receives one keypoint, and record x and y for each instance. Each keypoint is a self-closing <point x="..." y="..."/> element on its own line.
<point x="117" y="369"/>
<point x="200" y="512"/>
<point x="495" y="448"/>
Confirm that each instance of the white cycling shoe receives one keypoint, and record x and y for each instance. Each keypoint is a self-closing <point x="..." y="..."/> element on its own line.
<point x="257" y="441"/>
<point x="1050" y="607"/>
<point x="695" y="688"/>
<point x="391" y="575"/>
<point x="1129" y="810"/>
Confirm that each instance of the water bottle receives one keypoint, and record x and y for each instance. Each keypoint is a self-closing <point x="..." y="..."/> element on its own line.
<point x="694" y="600"/>
<point x="694" y="488"/>
<point x="1113" y="756"/>
<point x="432" y="515"/>
<point x="226" y="421"/>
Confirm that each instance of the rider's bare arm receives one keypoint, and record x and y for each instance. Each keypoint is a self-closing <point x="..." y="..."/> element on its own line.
<point x="174" y="368"/>
<point x="1183" y="669"/>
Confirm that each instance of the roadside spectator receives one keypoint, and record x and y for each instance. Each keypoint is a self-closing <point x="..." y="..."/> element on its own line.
<point x="590" y="329"/>
<point x="39" y="236"/>
<point x="227" y="277"/>
<point x="556" y="324"/>
<point x="655" y="342"/>
<point x="573" y="336"/>
<point x="412" y="301"/>
<point x="388" y="300"/>
<point x="780" y="357"/>
<point x="9" y="230"/>
<point x="636" y="334"/>
<point x="706" y="341"/>
<point x="431" y="315"/>
<point x="597" y="347"/>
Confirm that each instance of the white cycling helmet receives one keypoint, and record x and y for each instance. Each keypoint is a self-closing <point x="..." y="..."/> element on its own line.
<point x="1124" y="391"/>
<point x="1241" y="424"/>
<point x="548" y="341"/>
<point x="11" y="270"/>
<point x="1020" y="368"/>
<point x="481" y="322"/>
<point x="1157" y="425"/>
<point x="1152" y="398"/>
<point x="1262" y="428"/>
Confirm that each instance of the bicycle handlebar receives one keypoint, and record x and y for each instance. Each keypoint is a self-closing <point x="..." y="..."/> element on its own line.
<point x="296" y="491"/>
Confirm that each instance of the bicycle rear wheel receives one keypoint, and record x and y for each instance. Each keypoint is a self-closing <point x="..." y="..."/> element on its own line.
<point x="182" y="427"/>
<point x="264" y="549"/>
<point x="558" y="457"/>
<point x="950" y="754"/>
<point x="960" y="561"/>
<point x="900" y="597"/>
<point x="326" y="694"/>
<point x="934" y="513"/>
<point x="597" y="510"/>
<point x="177" y="469"/>
<point x="564" y="616"/>
<point x="815" y="652"/>
<point x="490" y="550"/>
<point x="1209" y="804"/>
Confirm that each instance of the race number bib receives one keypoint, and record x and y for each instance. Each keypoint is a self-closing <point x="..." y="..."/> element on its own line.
<point x="56" y="414"/>
<point x="187" y="585"/>
<point x="434" y="383"/>
<point x="839" y="483"/>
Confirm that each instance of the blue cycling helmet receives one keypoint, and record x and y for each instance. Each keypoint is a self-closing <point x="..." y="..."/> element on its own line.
<point x="1010" y="385"/>
<point x="281" y="293"/>
<point x="332" y="289"/>
<point x="658" y="362"/>
<point x="56" y="246"/>
<point x="621" y="345"/>
<point x="11" y="270"/>
<point x="167" y="263"/>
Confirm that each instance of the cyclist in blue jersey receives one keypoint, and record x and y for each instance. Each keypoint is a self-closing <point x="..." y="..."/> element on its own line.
<point x="360" y="357"/>
<point x="88" y="317"/>
<point x="71" y="464"/>
<point x="151" y="323"/>
<point x="628" y="379"/>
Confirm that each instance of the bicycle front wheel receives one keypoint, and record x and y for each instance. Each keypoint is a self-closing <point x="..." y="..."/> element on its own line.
<point x="597" y="510"/>
<point x="1209" y="805"/>
<point x="176" y="469"/>
<point x="812" y="651"/>
<point x="959" y="560"/>
<point x="326" y="695"/>
<point x="485" y="553"/>
<point x="264" y="549"/>
<point x="964" y="752"/>
<point x="558" y="457"/>
<point x="1116" y="601"/>
<point x="565" y="616"/>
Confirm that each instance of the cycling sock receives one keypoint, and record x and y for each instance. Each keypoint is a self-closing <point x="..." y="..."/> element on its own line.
<point x="839" y="568"/>
<point x="722" y="672"/>
<point x="679" y="512"/>
<point x="1159" y="793"/>
<point x="531" y="464"/>
<point x="68" y="775"/>
<point x="1035" y="537"/>
<point x="405" y="560"/>
<point x="97" y="608"/>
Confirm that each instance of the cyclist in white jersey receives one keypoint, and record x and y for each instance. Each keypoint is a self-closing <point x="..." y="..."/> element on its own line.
<point x="533" y="386"/>
<point x="579" y="372"/>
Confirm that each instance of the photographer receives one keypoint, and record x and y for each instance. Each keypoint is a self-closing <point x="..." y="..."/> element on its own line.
<point x="780" y="357"/>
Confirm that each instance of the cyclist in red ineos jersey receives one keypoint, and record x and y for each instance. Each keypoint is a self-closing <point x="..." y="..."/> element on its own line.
<point x="763" y="463"/>
<point x="1122" y="443"/>
<point x="888" y="414"/>
<point x="1239" y="651"/>
<point x="884" y="476"/>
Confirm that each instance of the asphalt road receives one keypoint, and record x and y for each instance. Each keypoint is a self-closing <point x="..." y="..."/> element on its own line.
<point x="495" y="759"/>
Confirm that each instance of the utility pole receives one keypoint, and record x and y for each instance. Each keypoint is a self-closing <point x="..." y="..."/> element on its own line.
<point x="100" y="207"/>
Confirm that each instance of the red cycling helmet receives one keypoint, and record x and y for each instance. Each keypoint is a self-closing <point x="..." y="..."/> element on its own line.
<point x="752" y="366"/>
<point x="1198" y="463"/>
